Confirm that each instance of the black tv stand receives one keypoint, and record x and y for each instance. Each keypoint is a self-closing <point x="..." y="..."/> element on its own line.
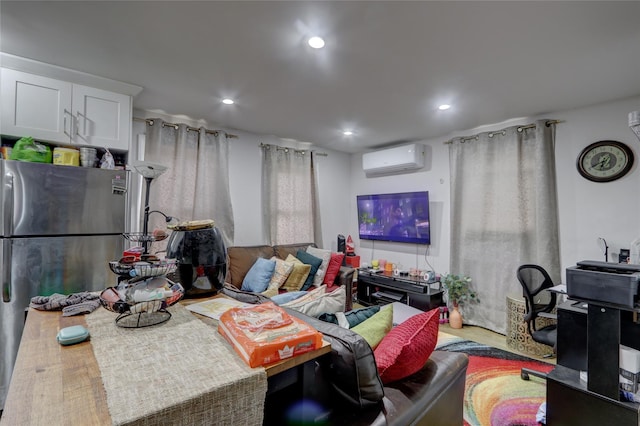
<point x="380" y="288"/>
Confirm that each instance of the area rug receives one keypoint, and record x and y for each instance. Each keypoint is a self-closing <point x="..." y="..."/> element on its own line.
<point x="495" y="394"/>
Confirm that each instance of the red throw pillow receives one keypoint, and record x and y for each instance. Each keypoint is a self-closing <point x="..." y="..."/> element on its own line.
<point x="407" y="347"/>
<point x="333" y="268"/>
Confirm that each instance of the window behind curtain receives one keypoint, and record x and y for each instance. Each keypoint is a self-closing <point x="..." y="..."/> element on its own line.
<point x="503" y="214"/>
<point x="287" y="194"/>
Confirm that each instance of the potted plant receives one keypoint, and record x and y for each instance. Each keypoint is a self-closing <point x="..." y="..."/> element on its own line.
<point x="459" y="292"/>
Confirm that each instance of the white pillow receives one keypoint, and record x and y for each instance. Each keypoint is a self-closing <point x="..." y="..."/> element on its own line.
<point x="318" y="302"/>
<point x="325" y="255"/>
<point x="279" y="277"/>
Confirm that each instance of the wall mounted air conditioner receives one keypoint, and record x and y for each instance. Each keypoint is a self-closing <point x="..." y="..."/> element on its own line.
<point x="396" y="159"/>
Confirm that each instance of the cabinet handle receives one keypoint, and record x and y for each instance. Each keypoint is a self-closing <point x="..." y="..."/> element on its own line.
<point x="70" y="132"/>
<point x="84" y="125"/>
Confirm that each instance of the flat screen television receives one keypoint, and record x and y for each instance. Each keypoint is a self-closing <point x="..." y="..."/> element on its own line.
<point x="401" y="217"/>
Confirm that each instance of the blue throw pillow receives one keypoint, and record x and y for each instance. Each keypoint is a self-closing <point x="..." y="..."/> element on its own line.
<point x="283" y="298"/>
<point x="258" y="277"/>
<point x="309" y="259"/>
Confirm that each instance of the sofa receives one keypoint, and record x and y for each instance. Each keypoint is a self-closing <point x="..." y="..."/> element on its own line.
<point x="349" y="390"/>
<point x="240" y="259"/>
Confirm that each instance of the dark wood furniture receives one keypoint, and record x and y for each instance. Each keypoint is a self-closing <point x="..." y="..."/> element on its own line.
<point x="590" y="337"/>
<point x="55" y="386"/>
<point x="380" y="288"/>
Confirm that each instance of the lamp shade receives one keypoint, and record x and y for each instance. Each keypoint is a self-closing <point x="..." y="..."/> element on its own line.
<point x="147" y="169"/>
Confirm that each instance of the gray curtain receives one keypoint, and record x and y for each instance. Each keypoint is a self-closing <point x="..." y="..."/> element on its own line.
<point x="503" y="214"/>
<point x="287" y="195"/>
<point x="196" y="183"/>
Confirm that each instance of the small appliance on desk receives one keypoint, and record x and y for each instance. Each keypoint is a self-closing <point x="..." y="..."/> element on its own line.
<point x="614" y="283"/>
<point x="198" y="248"/>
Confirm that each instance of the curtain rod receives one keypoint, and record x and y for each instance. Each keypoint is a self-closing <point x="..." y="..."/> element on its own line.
<point x="150" y="121"/>
<point x="519" y="129"/>
<point x="286" y="149"/>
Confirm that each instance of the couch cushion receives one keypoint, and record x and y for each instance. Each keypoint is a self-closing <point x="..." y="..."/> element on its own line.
<point x="298" y="275"/>
<point x="375" y="328"/>
<point x="432" y="396"/>
<point x="352" y="373"/>
<point x="287" y="296"/>
<point x="325" y="255"/>
<point x="282" y="251"/>
<point x="353" y="317"/>
<point x="406" y="348"/>
<point x="258" y="278"/>
<point x="279" y="277"/>
<point x="315" y="263"/>
<point x="333" y="268"/>
<point x="318" y="301"/>
<point x="241" y="259"/>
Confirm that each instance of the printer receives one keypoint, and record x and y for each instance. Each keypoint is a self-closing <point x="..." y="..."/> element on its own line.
<point x="612" y="283"/>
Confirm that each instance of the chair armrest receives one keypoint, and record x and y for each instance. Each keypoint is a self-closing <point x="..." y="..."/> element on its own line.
<point x="345" y="278"/>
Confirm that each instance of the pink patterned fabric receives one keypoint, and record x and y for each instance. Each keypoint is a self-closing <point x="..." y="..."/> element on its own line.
<point x="407" y="347"/>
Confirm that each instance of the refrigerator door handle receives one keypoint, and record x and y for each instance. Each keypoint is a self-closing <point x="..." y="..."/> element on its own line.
<point x="7" y="208"/>
<point x="5" y="269"/>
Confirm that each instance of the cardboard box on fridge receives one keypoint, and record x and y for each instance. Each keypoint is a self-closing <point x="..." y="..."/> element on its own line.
<point x="265" y="333"/>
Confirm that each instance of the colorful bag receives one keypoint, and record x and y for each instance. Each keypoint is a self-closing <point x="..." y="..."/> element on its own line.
<point x="26" y="149"/>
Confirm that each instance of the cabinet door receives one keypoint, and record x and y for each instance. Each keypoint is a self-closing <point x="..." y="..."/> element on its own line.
<point x="103" y="118"/>
<point x="35" y="106"/>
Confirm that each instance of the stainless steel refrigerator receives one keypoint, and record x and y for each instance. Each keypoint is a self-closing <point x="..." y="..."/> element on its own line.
<point x="60" y="226"/>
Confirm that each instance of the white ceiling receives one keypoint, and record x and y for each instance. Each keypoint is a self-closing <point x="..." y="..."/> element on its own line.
<point x="385" y="68"/>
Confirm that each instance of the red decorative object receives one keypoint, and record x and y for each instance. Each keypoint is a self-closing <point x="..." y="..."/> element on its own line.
<point x="351" y="248"/>
<point x="353" y="261"/>
<point x="405" y="349"/>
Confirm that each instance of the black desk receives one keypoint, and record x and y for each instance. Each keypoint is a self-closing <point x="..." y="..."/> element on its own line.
<point x="571" y="344"/>
<point x="589" y="340"/>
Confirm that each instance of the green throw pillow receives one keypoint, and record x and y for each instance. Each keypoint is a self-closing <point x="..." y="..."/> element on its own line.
<point x="375" y="328"/>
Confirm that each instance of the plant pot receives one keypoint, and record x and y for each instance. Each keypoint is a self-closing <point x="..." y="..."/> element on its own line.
<point x="455" y="318"/>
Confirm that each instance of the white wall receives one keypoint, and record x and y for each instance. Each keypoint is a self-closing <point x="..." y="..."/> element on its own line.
<point x="433" y="177"/>
<point x="245" y="169"/>
<point x="587" y="210"/>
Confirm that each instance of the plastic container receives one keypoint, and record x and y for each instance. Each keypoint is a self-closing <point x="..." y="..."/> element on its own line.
<point x="66" y="156"/>
<point x="72" y="335"/>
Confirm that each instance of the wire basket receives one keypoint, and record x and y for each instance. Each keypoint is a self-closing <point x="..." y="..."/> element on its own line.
<point x="154" y="269"/>
<point x="122" y="269"/>
<point x="141" y="314"/>
<point x="141" y="237"/>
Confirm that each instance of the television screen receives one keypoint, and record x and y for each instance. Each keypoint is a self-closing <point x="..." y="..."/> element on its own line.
<point x="402" y="217"/>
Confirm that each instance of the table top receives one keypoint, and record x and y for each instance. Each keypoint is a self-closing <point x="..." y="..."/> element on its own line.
<point x="54" y="384"/>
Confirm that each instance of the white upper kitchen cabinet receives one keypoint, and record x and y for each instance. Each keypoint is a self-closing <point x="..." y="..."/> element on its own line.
<point x="57" y="111"/>
<point x="101" y="118"/>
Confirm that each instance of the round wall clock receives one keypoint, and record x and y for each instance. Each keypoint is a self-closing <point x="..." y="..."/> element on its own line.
<point x="605" y="161"/>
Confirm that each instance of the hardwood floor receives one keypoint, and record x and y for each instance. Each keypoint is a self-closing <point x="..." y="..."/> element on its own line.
<point x="488" y="337"/>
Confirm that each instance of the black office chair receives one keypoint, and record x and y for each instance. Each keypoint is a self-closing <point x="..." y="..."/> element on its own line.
<point x="535" y="280"/>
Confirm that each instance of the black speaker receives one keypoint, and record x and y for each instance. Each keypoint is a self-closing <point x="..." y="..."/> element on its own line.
<point x="342" y="245"/>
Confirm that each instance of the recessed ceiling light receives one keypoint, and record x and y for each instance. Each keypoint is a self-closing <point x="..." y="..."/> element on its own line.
<point x="347" y="133"/>
<point x="316" y="42"/>
<point x="444" y="107"/>
<point x="228" y="101"/>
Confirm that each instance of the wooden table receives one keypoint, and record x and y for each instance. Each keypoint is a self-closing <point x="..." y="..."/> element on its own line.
<point x="52" y="384"/>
